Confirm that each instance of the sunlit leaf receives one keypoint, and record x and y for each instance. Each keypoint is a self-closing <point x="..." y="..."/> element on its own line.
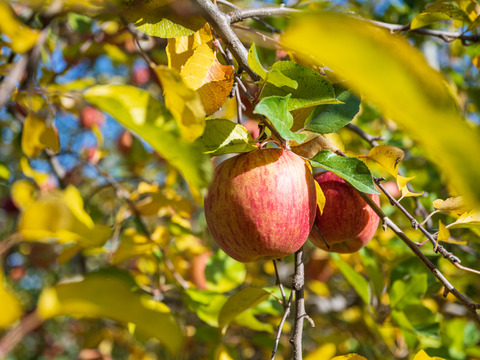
<point x="132" y="244"/>
<point x="37" y="135"/>
<point x="183" y="103"/>
<point x="408" y="290"/>
<point x="312" y="145"/>
<point x="313" y="89"/>
<point x="204" y="73"/>
<point x="467" y="220"/>
<point x="255" y="63"/>
<point x="349" y="357"/>
<point x="422" y="355"/>
<point x="351" y="169"/>
<point x="356" y="280"/>
<point x="59" y="216"/>
<point x="23" y="193"/>
<point x="20" y="37"/>
<point x="110" y="294"/>
<point x="10" y="305"/>
<point x="206" y="304"/>
<point x="388" y="156"/>
<point x="223" y="136"/>
<point x="274" y="108"/>
<point x="180" y="49"/>
<point x="438" y="11"/>
<point x="247" y="319"/>
<point x="456" y="204"/>
<point x="238" y="303"/>
<point x="330" y="118"/>
<point x="4" y="172"/>
<point x="400" y="83"/>
<point x="320" y="197"/>
<point x="279" y="79"/>
<point x="325" y="351"/>
<point x="402" y="182"/>
<point x="223" y="273"/>
<point x="146" y="116"/>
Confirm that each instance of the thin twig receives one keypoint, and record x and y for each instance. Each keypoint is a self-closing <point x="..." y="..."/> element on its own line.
<point x="279" y="283"/>
<point x="372" y="140"/>
<point x="28" y="323"/>
<point x="242" y="14"/>
<point x="286" y="313"/>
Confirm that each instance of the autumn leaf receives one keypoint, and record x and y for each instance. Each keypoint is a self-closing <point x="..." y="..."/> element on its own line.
<point x="455" y="204"/>
<point x="402" y="182"/>
<point x="387" y="156"/>
<point x="10" y="305"/>
<point x="21" y="37"/>
<point x="422" y="355"/>
<point x="38" y="134"/>
<point x="321" y="200"/>
<point x="467" y="220"/>
<point x="204" y="73"/>
<point x="313" y="144"/>
<point x="444" y="235"/>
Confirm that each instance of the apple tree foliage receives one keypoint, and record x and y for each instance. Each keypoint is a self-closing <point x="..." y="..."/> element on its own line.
<point x="113" y="114"/>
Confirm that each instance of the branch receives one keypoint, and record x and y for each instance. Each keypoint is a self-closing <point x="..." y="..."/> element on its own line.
<point x="287" y="308"/>
<point x="221" y="24"/>
<point x="300" y="314"/>
<point x="28" y="323"/>
<point x="446" y="36"/>
<point x="242" y="14"/>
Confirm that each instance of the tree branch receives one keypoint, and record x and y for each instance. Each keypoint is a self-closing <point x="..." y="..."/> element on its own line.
<point x="221" y="24"/>
<point x="242" y="14"/>
<point x="300" y="314"/>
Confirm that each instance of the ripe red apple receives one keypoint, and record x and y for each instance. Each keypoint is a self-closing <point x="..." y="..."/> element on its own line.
<point x="347" y="223"/>
<point x="90" y="116"/>
<point x="261" y="205"/>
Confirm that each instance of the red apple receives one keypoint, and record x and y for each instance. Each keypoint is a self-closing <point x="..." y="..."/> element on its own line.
<point x="90" y="116"/>
<point x="261" y="205"/>
<point x="197" y="270"/>
<point x="347" y="223"/>
<point x="252" y="127"/>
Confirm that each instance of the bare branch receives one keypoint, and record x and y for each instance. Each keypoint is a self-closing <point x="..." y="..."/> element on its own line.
<point x="242" y="14"/>
<point x="287" y="307"/>
<point x="300" y="314"/>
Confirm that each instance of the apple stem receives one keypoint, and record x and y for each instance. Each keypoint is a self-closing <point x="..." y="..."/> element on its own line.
<point x="300" y="313"/>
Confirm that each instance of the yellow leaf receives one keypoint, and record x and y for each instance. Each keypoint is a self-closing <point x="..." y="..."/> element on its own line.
<point x="204" y="73"/>
<point x="221" y="353"/>
<point x="456" y="204"/>
<point x="109" y="293"/>
<point x="39" y="177"/>
<point x="23" y="193"/>
<point x="402" y="182"/>
<point x="388" y="156"/>
<point x="422" y="355"/>
<point x="349" y="357"/>
<point x="37" y="135"/>
<point x="320" y="198"/>
<point x="132" y="244"/>
<point x="180" y="49"/>
<point x="401" y="83"/>
<point x="444" y="235"/>
<point x="59" y="216"/>
<point x="326" y="351"/>
<point x="467" y="220"/>
<point x="10" y="305"/>
<point x="183" y="103"/>
<point x="20" y="37"/>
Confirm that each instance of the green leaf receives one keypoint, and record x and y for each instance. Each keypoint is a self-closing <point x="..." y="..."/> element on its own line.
<point x="206" y="304"/>
<point x="222" y="136"/>
<point x="255" y="63"/>
<point x="408" y="290"/>
<point x="79" y="23"/>
<point x="275" y="109"/>
<point x="329" y="118"/>
<point x="138" y="111"/>
<point x="248" y="320"/>
<point x="109" y="294"/>
<point x="224" y="273"/>
<point x="439" y="11"/>
<point x="278" y="79"/>
<point x="356" y="280"/>
<point x="351" y="169"/>
<point x="313" y="89"/>
<point x="400" y="83"/>
<point x="238" y="303"/>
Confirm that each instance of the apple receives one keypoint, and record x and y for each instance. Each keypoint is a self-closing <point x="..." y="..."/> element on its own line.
<point x="125" y="143"/>
<point x="347" y="223"/>
<point x="261" y="205"/>
<point x="90" y="116"/>
<point x="197" y="270"/>
<point x="252" y="127"/>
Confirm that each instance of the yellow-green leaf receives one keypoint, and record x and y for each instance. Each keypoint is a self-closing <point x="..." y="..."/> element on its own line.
<point x="110" y="294"/>
<point x="184" y="103"/>
<point x="4" y="172"/>
<point x="23" y="193"/>
<point x="439" y="11"/>
<point x="40" y="178"/>
<point x="132" y="244"/>
<point x="444" y="235"/>
<point x="349" y="357"/>
<point x="37" y="135"/>
<point x="401" y="83"/>
<point x="10" y="305"/>
<point x="238" y="303"/>
<point x="388" y="156"/>
<point x="20" y="37"/>
<point x="467" y="220"/>
<point x="422" y="355"/>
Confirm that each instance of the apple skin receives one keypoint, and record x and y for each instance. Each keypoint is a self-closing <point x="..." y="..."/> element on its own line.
<point x="261" y="205"/>
<point x="347" y="223"/>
